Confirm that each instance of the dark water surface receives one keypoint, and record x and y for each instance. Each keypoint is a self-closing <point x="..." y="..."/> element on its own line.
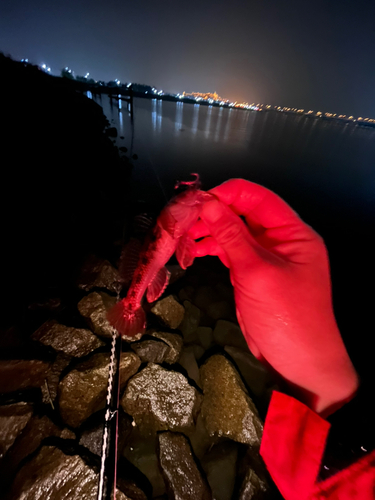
<point x="324" y="170"/>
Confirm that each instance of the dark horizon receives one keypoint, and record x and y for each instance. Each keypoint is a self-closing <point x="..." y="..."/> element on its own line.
<point x="311" y="56"/>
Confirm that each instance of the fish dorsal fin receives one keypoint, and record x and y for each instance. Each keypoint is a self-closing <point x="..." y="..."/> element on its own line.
<point x="158" y="285"/>
<point x="129" y="259"/>
<point x="184" y="251"/>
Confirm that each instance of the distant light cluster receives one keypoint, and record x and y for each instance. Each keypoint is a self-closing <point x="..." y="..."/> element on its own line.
<point x="320" y="114"/>
<point x="214" y="98"/>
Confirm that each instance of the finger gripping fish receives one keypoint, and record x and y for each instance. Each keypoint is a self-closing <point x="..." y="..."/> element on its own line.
<point x="151" y="276"/>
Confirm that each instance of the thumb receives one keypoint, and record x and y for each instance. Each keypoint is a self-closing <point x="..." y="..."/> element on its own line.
<point x="230" y="233"/>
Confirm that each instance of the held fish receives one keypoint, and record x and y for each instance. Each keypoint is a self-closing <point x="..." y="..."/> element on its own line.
<point x="151" y="277"/>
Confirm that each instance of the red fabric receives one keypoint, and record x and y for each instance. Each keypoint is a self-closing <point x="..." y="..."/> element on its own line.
<point x="292" y="447"/>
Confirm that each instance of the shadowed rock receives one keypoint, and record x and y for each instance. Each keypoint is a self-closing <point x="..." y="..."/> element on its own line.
<point x="82" y="391"/>
<point x="205" y="336"/>
<point x="219" y="464"/>
<point x="169" y="311"/>
<point x="151" y="351"/>
<point x="175" y="344"/>
<point x="52" y="475"/>
<point x="188" y="361"/>
<point x="141" y="452"/>
<point x="18" y="374"/>
<point x="77" y="342"/>
<point x="13" y="419"/>
<point x="99" y="273"/>
<point x="221" y="310"/>
<point x="227" y="409"/>
<point x="228" y="333"/>
<point x="159" y="399"/>
<point x="94" y="309"/>
<point x="190" y="323"/>
<point x="182" y="476"/>
<point x="205" y="296"/>
<point x="91" y="437"/>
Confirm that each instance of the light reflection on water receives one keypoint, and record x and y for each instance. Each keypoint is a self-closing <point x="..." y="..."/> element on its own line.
<point x="194" y="126"/>
<point x="296" y="156"/>
<point x="178" y="119"/>
<point x="208" y="122"/>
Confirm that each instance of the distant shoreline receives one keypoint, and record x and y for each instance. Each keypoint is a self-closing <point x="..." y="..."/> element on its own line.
<point x="116" y="91"/>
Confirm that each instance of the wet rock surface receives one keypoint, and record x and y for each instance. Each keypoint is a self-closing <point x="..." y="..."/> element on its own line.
<point x="227" y="409"/>
<point x="77" y="342"/>
<point x="183" y="479"/>
<point x="93" y="308"/>
<point x="169" y="311"/>
<point x="82" y="391"/>
<point x="159" y="399"/>
<point x="53" y="475"/>
<point x="13" y="419"/>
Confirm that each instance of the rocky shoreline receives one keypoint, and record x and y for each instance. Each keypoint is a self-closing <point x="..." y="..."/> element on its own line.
<point x="192" y="395"/>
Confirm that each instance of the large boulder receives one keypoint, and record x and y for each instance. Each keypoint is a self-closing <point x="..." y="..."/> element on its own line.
<point x="83" y="390"/>
<point x="227" y="409"/>
<point x="160" y="399"/>
<point x="169" y="311"/>
<point x="77" y="342"/>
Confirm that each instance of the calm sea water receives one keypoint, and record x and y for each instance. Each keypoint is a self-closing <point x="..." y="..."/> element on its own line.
<point x="324" y="170"/>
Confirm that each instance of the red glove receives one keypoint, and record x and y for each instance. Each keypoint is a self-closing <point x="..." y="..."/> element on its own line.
<point x="280" y="272"/>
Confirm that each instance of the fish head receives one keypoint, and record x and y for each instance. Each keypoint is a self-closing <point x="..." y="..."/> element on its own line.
<point x="183" y="211"/>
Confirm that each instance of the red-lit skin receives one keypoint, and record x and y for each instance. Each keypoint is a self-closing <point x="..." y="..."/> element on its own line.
<point x="279" y="269"/>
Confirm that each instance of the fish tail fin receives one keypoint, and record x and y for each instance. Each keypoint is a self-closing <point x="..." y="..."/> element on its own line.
<point x="127" y="321"/>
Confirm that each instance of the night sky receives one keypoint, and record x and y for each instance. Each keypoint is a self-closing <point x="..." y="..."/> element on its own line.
<point x="315" y="55"/>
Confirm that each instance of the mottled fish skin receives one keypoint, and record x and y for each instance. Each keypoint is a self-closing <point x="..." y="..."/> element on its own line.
<point x="150" y="276"/>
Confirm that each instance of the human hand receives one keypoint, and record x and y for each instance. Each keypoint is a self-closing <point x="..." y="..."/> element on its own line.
<point x="279" y="269"/>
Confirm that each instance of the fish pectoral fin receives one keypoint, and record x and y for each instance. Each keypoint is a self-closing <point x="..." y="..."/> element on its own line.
<point x="129" y="259"/>
<point x="158" y="285"/>
<point x="184" y="253"/>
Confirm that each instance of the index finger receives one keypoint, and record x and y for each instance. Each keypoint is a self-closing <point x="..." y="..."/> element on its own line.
<point x="259" y="205"/>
